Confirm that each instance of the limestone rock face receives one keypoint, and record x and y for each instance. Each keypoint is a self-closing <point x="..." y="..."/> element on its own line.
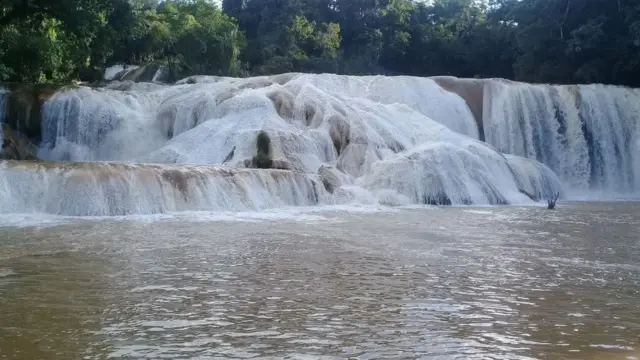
<point x="23" y="108"/>
<point x="330" y="178"/>
<point x="16" y="146"/>
<point x="471" y="90"/>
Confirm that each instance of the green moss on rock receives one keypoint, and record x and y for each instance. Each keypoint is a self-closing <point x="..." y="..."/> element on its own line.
<point x="263" y="160"/>
<point x="263" y="143"/>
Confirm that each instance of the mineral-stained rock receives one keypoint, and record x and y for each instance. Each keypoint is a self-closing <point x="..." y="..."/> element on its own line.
<point x="330" y="178"/>
<point x="16" y="146"/>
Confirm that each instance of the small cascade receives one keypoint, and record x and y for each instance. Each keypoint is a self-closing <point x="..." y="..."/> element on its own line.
<point x="587" y="134"/>
<point x="104" y="189"/>
<point x="159" y="75"/>
<point x="84" y="124"/>
<point x="534" y="179"/>
<point x="420" y="94"/>
<point x="446" y="173"/>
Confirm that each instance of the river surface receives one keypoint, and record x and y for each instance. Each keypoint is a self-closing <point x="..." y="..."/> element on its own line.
<point x="438" y="283"/>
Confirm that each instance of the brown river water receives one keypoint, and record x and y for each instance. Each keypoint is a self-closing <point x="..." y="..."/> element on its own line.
<point x="441" y="283"/>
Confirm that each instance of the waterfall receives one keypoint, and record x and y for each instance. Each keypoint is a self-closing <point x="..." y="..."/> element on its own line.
<point x="421" y="94"/>
<point x="587" y="134"/>
<point x="103" y="189"/>
<point x="450" y="173"/>
<point x="141" y="148"/>
<point x="87" y="124"/>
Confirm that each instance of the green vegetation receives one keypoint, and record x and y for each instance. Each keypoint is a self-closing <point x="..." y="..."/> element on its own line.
<point x="560" y="41"/>
<point x="263" y="160"/>
<point x="263" y="143"/>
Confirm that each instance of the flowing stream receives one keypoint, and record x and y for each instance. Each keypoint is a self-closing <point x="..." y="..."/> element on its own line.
<point x="447" y="283"/>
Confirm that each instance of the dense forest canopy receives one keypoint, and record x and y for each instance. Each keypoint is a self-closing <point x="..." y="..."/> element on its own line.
<point x="559" y="41"/>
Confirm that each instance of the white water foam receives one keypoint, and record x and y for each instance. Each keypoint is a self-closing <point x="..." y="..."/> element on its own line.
<point x="103" y="125"/>
<point x="6" y="272"/>
<point x="446" y="171"/>
<point x="310" y="214"/>
<point x="98" y="189"/>
<point x="87" y="124"/>
<point x="534" y="178"/>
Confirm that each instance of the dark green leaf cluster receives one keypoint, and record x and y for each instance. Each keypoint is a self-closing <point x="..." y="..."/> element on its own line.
<point x="559" y="41"/>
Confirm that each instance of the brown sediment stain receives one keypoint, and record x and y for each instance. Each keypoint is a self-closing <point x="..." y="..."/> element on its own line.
<point x="339" y="131"/>
<point x="312" y="114"/>
<point x="283" y="103"/>
<point x="179" y="176"/>
<point x="177" y="179"/>
<point x="471" y="91"/>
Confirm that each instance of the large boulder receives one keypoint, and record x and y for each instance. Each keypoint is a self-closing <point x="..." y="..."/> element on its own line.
<point x="16" y="146"/>
<point x="23" y="110"/>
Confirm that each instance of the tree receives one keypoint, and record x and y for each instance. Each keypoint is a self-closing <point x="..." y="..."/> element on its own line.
<point x="560" y="41"/>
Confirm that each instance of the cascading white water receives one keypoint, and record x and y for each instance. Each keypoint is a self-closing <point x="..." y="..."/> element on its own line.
<point x="87" y="124"/>
<point x="448" y="172"/>
<point x="103" y="189"/>
<point x="102" y="124"/>
<point x="534" y="178"/>
<point x="392" y="140"/>
<point x="587" y="134"/>
<point x="421" y="94"/>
